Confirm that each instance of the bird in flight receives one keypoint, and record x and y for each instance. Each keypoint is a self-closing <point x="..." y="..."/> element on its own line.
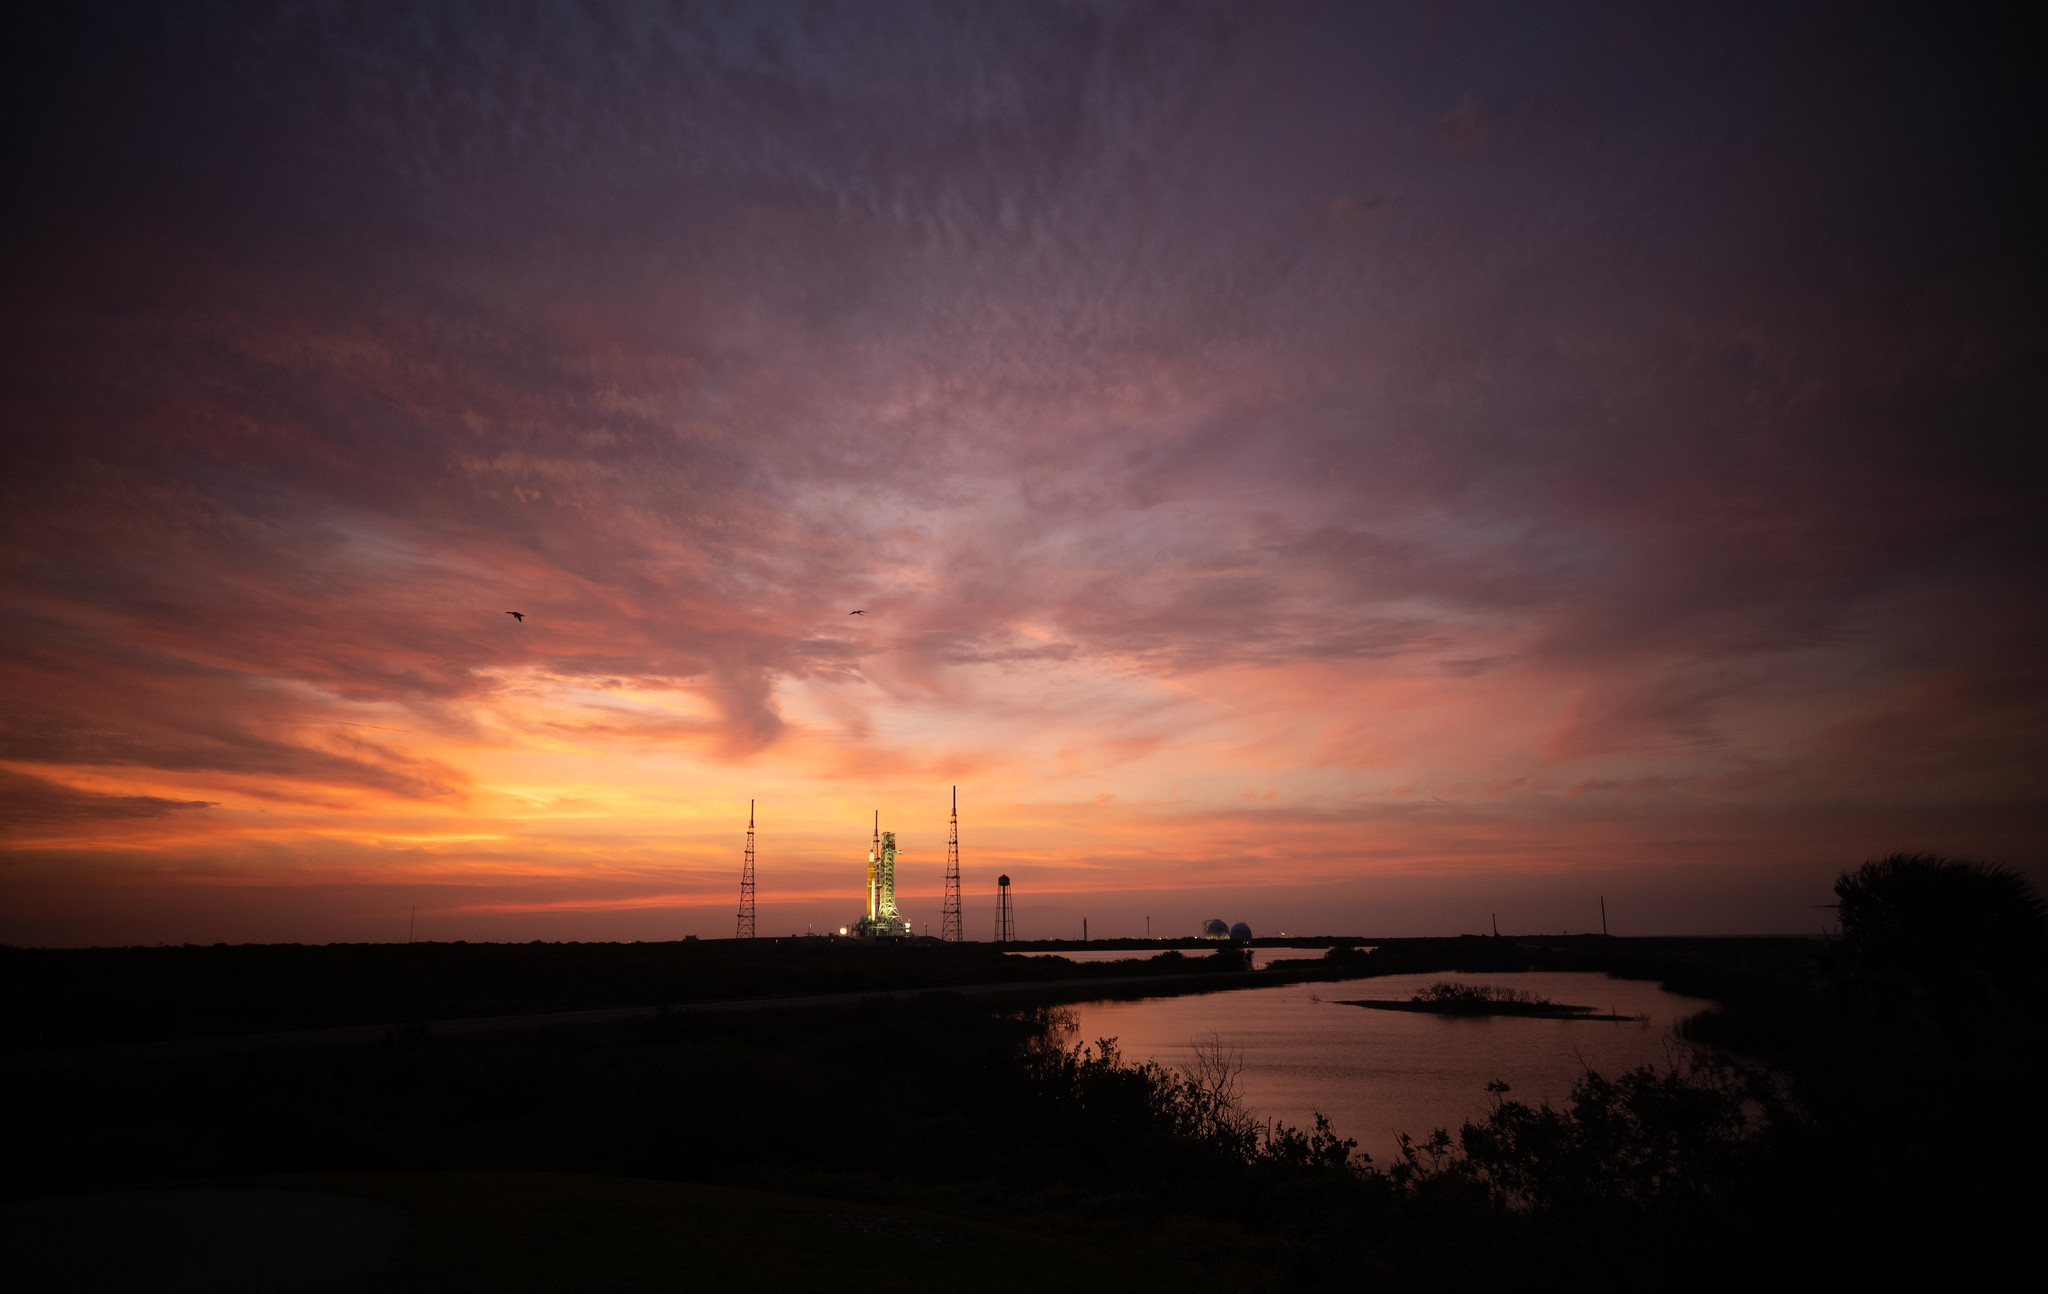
<point x="520" y="616"/>
<point x="856" y="613"/>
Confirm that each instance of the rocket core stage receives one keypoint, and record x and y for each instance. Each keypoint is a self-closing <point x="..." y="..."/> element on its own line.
<point x="882" y="917"/>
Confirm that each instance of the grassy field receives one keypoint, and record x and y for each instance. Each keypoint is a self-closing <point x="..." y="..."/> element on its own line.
<point x="76" y="997"/>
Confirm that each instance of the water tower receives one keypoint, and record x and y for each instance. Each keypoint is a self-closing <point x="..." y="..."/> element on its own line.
<point x="1006" y="921"/>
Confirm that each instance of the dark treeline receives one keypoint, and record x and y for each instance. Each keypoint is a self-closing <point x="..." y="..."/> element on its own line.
<point x="1878" y="1110"/>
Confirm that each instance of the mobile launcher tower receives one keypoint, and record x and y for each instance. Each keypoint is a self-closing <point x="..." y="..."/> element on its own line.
<point x="882" y="917"/>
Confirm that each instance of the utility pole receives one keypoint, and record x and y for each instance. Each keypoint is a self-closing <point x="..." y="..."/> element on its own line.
<point x="1148" y="927"/>
<point x="746" y="926"/>
<point x="1084" y="930"/>
<point x="1496" y="925"/>
<point x="950" y="928"/>
<point x="1603" y="916"/>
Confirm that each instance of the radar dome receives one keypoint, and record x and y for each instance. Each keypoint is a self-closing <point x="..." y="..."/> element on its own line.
<point x="1216" y="928"/>
<point x="1241" y="932"/>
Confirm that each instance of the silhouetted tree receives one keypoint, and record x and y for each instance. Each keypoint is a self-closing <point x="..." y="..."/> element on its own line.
<point x="1959" y="946"/>
<point x="1231" y="957"/>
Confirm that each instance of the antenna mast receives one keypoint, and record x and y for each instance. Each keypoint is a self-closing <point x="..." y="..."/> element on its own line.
<point x="746" y="928"/>
<point x="950" y="928"/>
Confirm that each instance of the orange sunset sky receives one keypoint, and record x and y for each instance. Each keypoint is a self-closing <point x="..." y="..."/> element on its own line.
<point x="1352" y="472"/>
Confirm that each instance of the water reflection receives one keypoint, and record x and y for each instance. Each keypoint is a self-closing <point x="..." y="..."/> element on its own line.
<point x="1380" y="1073"/>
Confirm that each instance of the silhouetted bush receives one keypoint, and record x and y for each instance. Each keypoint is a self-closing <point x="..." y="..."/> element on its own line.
<point x="1639" y="1139"/>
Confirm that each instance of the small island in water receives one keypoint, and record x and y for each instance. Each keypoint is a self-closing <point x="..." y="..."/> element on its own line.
<point x="1444" y="998"/>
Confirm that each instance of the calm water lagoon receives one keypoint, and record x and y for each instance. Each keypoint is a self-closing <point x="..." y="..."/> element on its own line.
<point x="1380" y="1073"/>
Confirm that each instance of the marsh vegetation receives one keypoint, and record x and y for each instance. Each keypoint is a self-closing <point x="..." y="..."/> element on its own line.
<point x="1449" y="998"/>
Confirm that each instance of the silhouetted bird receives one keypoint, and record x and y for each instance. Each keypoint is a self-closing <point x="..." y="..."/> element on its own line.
<point x="856" y="613"/>
<point x="520" y="616"/>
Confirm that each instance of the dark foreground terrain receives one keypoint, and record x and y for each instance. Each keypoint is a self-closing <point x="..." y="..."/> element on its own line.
<point x="516" y="1231"/>
<point x="1876" y="1110"/>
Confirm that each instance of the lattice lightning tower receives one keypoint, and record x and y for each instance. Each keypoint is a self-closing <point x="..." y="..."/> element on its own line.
<point x="746" y="930"/>
<point x="950" y="928"/>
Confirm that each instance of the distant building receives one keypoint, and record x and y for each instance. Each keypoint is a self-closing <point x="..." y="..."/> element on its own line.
<point x="1241" y="932"/>
<point x="1216" y="928"/>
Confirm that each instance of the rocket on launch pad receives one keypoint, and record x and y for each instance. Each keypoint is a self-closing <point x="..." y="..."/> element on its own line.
<point x="882" y="917"/>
